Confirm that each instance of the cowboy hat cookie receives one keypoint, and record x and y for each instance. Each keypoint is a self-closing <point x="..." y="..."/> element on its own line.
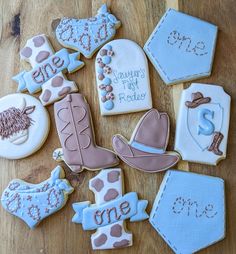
<point x="34" y="202"/>
<point x="203" y="124"/>
<point x="86" y="35"/>
<point x="24" y="125"/>
<point x="146" y="149"/>
<point x="189" y="211"/>
<point x="47" y="70"/>
<point x="181" y="47"/>
<point x="122" y="78"/>
<point x="75" y="130"/>
<point x="109" y="212"/>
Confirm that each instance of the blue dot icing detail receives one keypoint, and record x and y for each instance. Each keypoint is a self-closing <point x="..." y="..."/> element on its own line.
<point x="109" y="105"/>
<point x="109" y="47"/>
<point x="106" y="81"/>
<point x="103" y="92"/>
<point x="106" y="59"/>
<point x="100" y="70"/>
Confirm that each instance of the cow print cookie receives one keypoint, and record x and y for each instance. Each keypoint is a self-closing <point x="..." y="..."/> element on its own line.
<point x="34" y="202"/>
<point x="203" y="124"/>
<point x="24" y="125"/>
<point x="86" y="35"/>
<point x="122" y="78"/>
<point x="47" y="70"/>
<point x="108" y="215"/>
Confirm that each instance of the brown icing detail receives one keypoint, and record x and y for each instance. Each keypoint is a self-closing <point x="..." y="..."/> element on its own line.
<point x="98" y="217"/>
<point x="109" y="88"/>
<point x="55" y="24"/>
<point x="14" y="120"/>
<point x="197" y="100"/>
<point x="75" y="130"/>
<point x="26" y="52"/>
<point x="85" y="41"/>
<point x="103" y="52"/>
<point x="42" y="55"/>
<point x="48" y="68"/>
<point x="113" y="176"/>
<point x="97" y="184"/>
<point x="101" y="65"/>
<point x="64" y="91"/>
<point x="125" y="208"/>
<point x="100" y="76"/>
<point x="38" y="76"/>
<point x="100" y="240"/>
<point x="122" y="243"/>
<point x="38" y="41"/>
<point x="111" y="194"/>
<point x="214" y="147"/>
<point x="108" y="212"/>
<point x="152" y="131"/>
<point x="46" y="95"/>
<point x="57" y="61"/>
<point x="57" y="81"/>
<point x="116" y="230"/>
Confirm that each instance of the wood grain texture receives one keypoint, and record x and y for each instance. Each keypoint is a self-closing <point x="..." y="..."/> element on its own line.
<point x="22" y="19"/>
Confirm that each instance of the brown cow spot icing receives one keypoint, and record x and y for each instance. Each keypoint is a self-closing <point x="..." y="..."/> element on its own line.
<point x="26" y="52"/>
<point x="122" y="243"/>
<point x="38" y="41"/>
<point x="57" y="81"/>
<point x="116" y="230"/>
<point x="103" y="52"/>
<point x="42" y="55"/>
<point x="97" y="184"/>
<point x="111" y="194"/>
<point x="99" y="241"/>
<point x="113" y="176"/>
<point x="46" y="95"/>
<point x="64" y="91"/>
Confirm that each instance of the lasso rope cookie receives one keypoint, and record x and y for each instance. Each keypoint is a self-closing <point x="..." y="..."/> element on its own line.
<point x="47" y="70"/>
<point x="111" y="209"/>
<point x="34" y="202"/>
<point x="86" y="35"/>
<point x="24" y="125"/>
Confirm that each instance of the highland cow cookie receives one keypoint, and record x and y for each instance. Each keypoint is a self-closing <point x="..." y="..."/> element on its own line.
<point x="146" y="149"/>
<point x="86" y="35"/>
<point x="203" y="124"/>
<point x="122" y="78"/>
<point x="75" y="130"/>
<point x="108" y="215"/>
<point x="24" y="125"/>
<point x="34" y="202"/>
<point x="47" y="70"/>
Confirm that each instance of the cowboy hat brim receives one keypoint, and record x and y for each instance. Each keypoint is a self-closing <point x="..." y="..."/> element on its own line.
<point x="196" y="103"/>
<point x="147" y="162"/>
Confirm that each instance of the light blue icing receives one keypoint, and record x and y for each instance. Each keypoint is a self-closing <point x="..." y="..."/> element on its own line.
<point x="34" y="202"/>
<point x="100" y="70"/>
<point x="189" y="211"/>
<point x="108" y="47"/>
<point x="106" y="81"/>
<point x="181" y="47"/>
<point x="145" y="148"/>
<point x="35" y="78"/>
<point x="106" y="59"/>
<point x="92" y="216"/>
<point x="103" y="92"/>
<point x="109" y="105"/>
<point x="206" y="127"/>
<point x="87" y="35"/>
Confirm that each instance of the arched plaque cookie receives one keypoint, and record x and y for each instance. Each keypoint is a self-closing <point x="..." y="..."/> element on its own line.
<point x="122" y="78"/>
<point x="24" y="125"/>
<point x="86" y="35"/>
<point x="203" y="124"/>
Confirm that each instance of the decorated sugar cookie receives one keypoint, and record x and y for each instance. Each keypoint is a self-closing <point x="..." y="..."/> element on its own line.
<point x="203" y="124"/>
<point x="146" y="149"/>
<point x="181" y="47"/>
<point x="75" y="130"/>
<point x="189" y="211"/>
<point x="34" y="202"/>
<point x="109" y="212"/>
<point x="47" y="70"/>
<point x="122" y="78"/>
<point x="86" y="35"/>
<point x="24" y="125"/>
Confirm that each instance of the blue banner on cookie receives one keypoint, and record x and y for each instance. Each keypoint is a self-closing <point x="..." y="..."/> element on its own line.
<point x="126" y="207"/>
<point x="35" y="78"/>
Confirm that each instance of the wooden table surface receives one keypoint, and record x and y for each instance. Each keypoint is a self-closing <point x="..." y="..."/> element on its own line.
<point x="22" y="19"/>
